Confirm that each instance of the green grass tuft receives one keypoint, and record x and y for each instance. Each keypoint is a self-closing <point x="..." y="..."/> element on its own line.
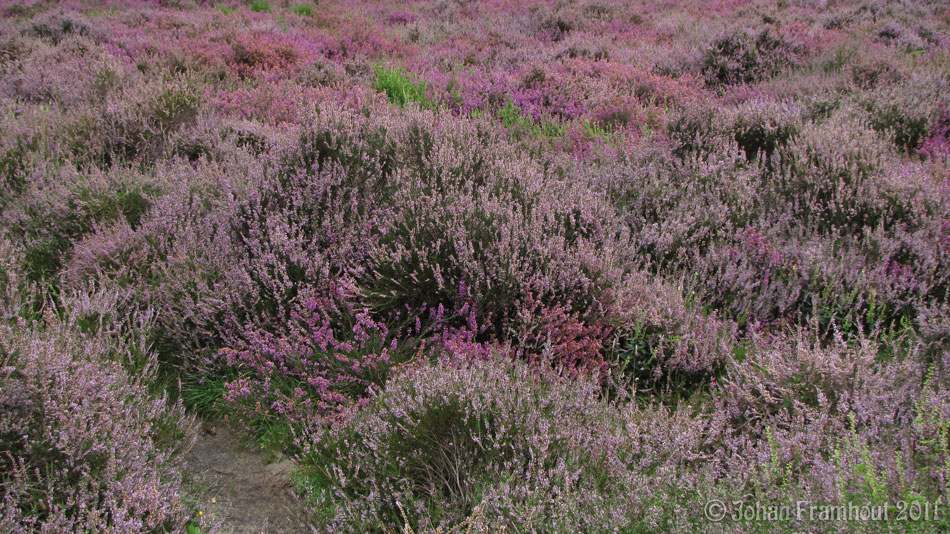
<point x="401" y="87"/>
<point x="205" y="397"/>
<point x="260" y="6"/>
<point x="304" y="10"/>
<point x="520" y="125"/>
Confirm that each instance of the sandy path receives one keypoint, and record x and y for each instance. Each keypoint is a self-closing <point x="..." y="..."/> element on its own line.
<point x="250" y="496"/>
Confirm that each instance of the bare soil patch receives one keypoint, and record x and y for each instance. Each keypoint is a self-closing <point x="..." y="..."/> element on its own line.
<point x="247" y="494"/>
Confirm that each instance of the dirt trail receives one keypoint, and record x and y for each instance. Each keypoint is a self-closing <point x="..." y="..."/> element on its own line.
<point x="250" y="495"/>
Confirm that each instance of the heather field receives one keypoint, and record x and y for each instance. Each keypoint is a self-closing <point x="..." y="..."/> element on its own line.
<point x="468" y="266"/>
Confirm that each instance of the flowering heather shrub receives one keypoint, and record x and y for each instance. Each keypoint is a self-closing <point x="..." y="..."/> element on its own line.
<point x="555" y="335"/>
<point x="18" y="144"/>
<point x="68" y="73"/>
<point x="450" y="440"/>
<point x="937" y="142"/>
<point x="662" y="340"/>
<point x="755" y="125"/>
<point x="12" y="45"/>
<point x="15" y="299"/>
<point x="309" y="374"/>
<point x="695" y="129"/>
<point x="750" y="256"/>
<point x="85" y="446"/>
<point x="178" y="260"/>
<point x="54" y="26"/>
<point x="277" y="103"/>
<point x="673" y="206"/>
<point x="742" y="58"/>
<point x="761" y="127"/>
<point x="133" y="126"/>
<point x="64" y="204"/>
<point x="773" y="380"/>
<point x="840" y="420"/>
<point x="473" y="444"/>
<point x="321" y="72"/>
<point x="234" y="247"/>
<point x="469" y="213"/>
<point x="905" y="112"/>
<point x="259" y="51"/>
<point x="337" y="219"/>
<point x="832" y="172"/>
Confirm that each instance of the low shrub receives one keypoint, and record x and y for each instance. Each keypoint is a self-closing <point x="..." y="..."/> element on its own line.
<point x="468" y="443"/>
<point x="695" y="129"/>
<point x="63" y="205"/>
<point x="666" y="344"/>
<point x="85" y="446"/>
<point x="838" y="419"/>
<point x="905" y="112"/>
<point x="308" y="375"/>
<point x="742" y="58"/>
<point x="19" y="144"/>
<point x="762" y="127"/>
<point x="56" y="25"/>
<point x="937" y="142"/>
<point x="332" y="216"/>
<point x="455" y="442"/>
<point x="136" y="128"/>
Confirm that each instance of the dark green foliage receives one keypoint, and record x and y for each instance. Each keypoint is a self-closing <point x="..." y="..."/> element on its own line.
<point x="757" y="138"/>
<point x="906" y="127"/>
<point x="50" y="231"/>
<point x="740" y="58"/>
<point x="13" y="166"/>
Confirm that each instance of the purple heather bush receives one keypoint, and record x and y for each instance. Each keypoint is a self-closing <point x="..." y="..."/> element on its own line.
<point x="937" y="142"/>
<point x="175" y="257"/>
<point x="905" y="112"/>
<point x="309" y="374"/>
<point x="15" y="301"/>
<point x="842" y="419"/>
<point x="469" y="212"/>
<point x="134" y="125"/>
<point x="54" y="26"/>
<point x="740" y="58"/>
<point x="761" y="240"/>
<point x="86" y="445"/>
<point x="62" y="204"/>
<point x="394" y="236"/>
<point x="491" y="444"/>
<point x="466" y="440"/>
<point x="661" y="339"/>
